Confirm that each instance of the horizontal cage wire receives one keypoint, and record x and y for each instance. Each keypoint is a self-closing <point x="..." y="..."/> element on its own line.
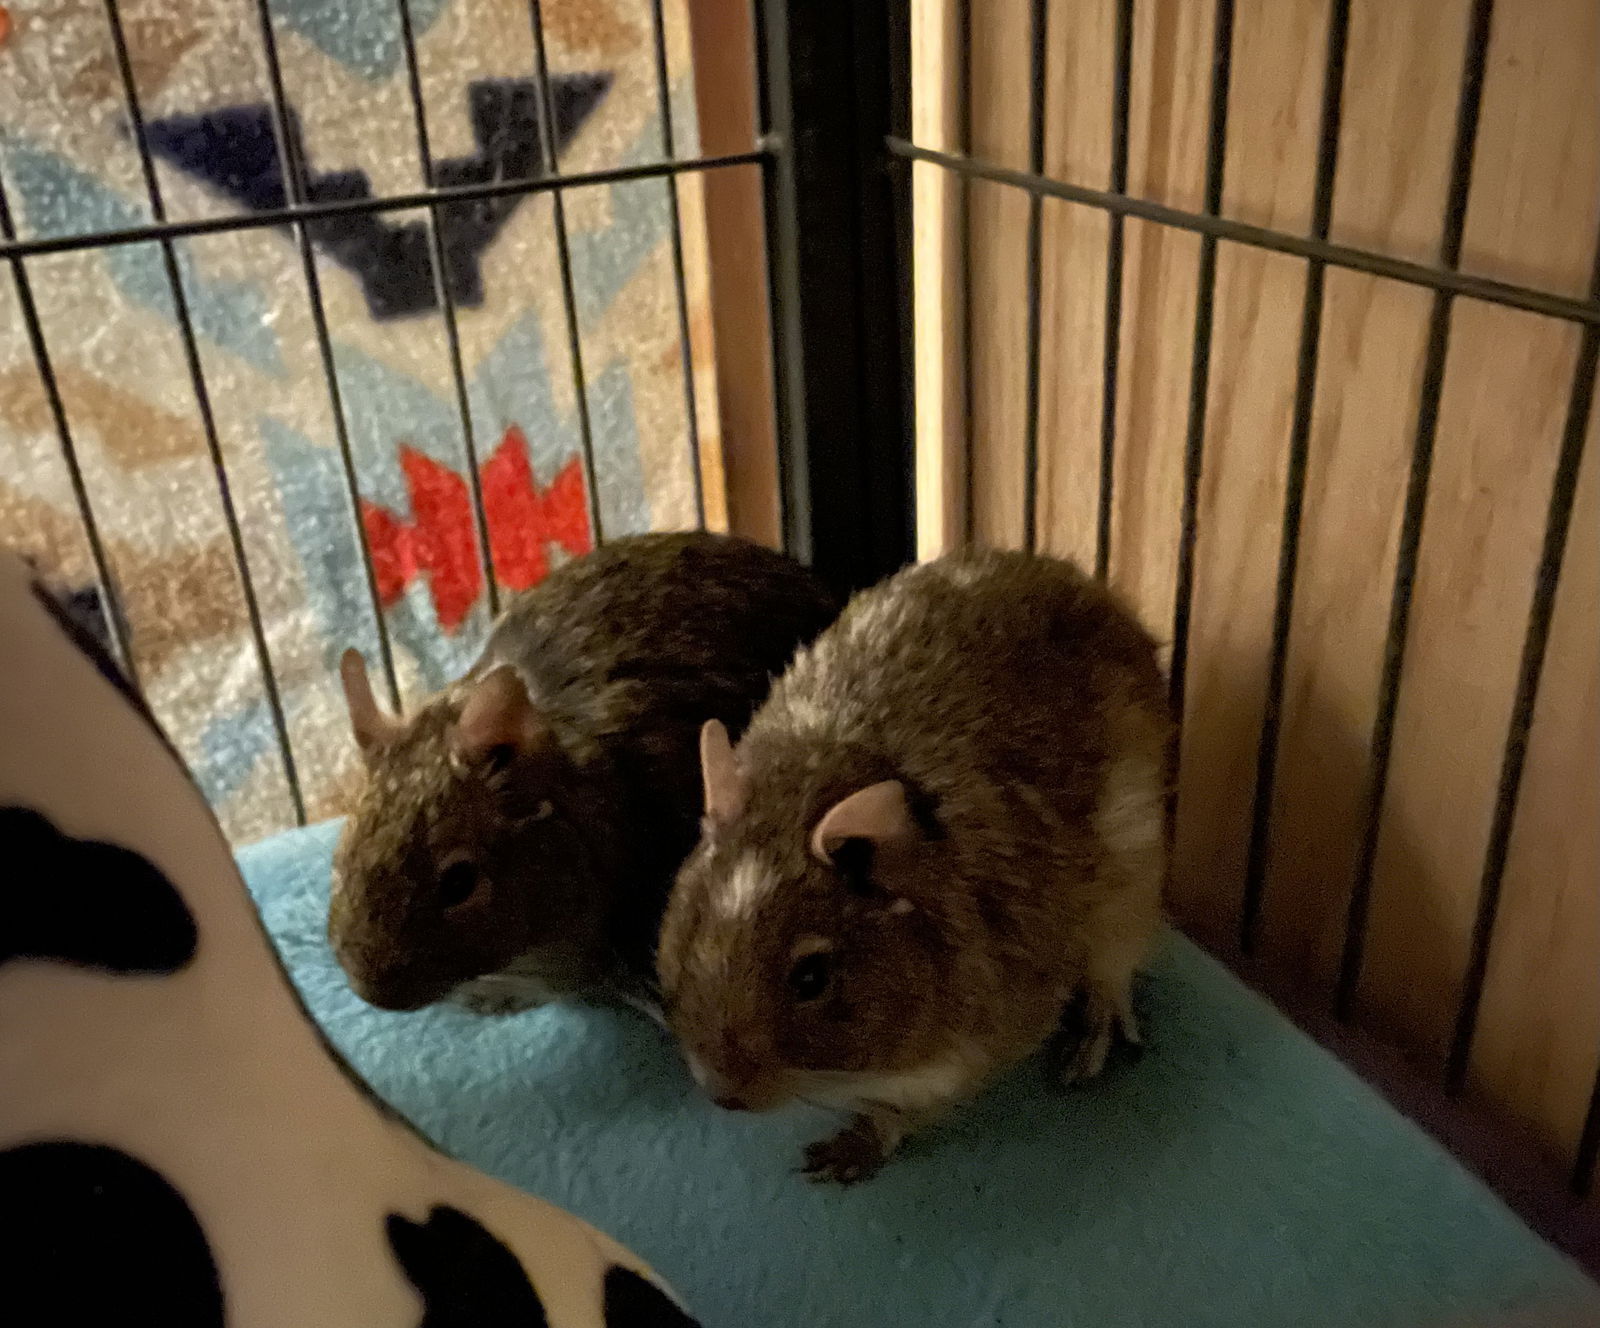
<point x="1445" y="279"/>
<point x="295" y="216"/>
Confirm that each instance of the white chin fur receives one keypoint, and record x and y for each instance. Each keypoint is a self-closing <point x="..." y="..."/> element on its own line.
<point x="939" y="1080"/>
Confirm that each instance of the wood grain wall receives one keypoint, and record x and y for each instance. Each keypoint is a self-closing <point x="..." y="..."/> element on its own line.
<point x="1502" y="398"/>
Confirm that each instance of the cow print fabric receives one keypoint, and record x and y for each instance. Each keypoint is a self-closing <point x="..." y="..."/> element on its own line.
<point x="632" y="1302"/>
<point x="94" y="1238"/>
<point x="465" y="1276"/>
<point x="83" y="902"/>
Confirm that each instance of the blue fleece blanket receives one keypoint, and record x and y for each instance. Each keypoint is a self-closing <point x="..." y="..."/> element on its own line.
<point x="1235" y="1176"/>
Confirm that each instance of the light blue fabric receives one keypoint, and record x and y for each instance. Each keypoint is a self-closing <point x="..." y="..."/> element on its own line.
<point x="1237" y="1176"/>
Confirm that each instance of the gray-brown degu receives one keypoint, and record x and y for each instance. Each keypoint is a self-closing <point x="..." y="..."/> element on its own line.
<point x="940" y="834"/>
<point x="516" y="837"/>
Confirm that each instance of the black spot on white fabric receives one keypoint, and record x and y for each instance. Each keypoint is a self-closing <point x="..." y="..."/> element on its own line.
<point x="96" y="1238"/>
<point x="466" y="1277"/>
<point x="92" y="647"/>
<point x="83" y="902"/>
<point x="633" y="1302"/>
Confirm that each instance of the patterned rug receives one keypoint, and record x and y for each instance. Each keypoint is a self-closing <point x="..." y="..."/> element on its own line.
<point x="70" y="166"/>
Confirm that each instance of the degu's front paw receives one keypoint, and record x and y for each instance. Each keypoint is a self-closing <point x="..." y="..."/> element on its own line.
<point x="855" y="1153"/>
<point x="1090" y="1028"/>
<point x="492" y="1000"/>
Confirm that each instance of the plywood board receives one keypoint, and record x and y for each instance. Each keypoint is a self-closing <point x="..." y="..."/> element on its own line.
<point x="938" y="206"/>
<point x="1274" y="104"/>
<point x="1535" y="203"/>
<point x="1258" y="300"/>
<point x="1507" y="379"/>
<point x="998" y="39"/>
<point x="729" y="209"/>
<point x="1403" y="68"/>
<point x="1169" y="101"/>
<point x="1160" y="274"/>
<point x="1374" y="335"/>
<point x="1538" y="1042"/>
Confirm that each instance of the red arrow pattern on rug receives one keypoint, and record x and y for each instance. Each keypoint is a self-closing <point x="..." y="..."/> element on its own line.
<point x="440" y="542"/>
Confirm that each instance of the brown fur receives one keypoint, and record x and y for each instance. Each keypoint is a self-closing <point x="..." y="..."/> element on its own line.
<point x="1024" y="712"/>
<point x="575" y="833"/>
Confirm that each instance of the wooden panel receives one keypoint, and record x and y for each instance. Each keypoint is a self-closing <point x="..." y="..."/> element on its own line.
<point x="1236" y="561"/>
<point x="1506" y="384"/>
<point x="1169" y="101"/>
<point x="1374" y="336"/>
<point x="724" y="63"/>
<point x="1533" y="216"/>
<point x="1535" y="200"/>
<point x="1539" y="1027"/>
<point x="1402" y="83"/>
<point x="1072" y="335"/>
<point x="1274" y="103"/>
<point x="1072" y="264"/>
<point x="1160" y="273"/>
<point x="997" y="230"/>
<point x="938" y="206"/>
<point x="999" y="33"/>
<point x="1078" y="90"/>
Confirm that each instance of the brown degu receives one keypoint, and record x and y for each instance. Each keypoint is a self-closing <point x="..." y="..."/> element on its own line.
<point x="517" y="835"/>
<point x="939" y="841"/>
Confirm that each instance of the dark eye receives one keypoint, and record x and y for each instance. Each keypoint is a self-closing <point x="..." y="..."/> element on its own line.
<point x="809" y="978"/>
<point x="457" y="883"/>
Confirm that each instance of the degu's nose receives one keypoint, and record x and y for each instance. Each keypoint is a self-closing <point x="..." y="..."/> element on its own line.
<point x="719" y="1088"/>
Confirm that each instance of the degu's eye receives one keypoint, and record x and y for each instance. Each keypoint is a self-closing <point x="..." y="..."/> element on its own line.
<point x="810" y="976"/>
<point x="457" y="883"/>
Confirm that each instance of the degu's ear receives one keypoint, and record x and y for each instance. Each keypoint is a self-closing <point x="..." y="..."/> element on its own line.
<point x="373" y="728"/>
<point x="879" y="814"/>
<point x="498" y="719"/>
<point x="727" y="788"/>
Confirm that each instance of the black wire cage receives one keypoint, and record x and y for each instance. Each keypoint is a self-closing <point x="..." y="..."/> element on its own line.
<point x="835" y="153"/>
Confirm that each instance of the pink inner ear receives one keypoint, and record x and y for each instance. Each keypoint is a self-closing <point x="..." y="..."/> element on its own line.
<point x="371" y="726"/>
<point x="726" y="788"/>
<point x="498" y="713"/>
<point x="879" y="813"/>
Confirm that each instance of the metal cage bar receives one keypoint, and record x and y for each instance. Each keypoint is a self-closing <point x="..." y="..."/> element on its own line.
<point x="1210" y="226"/>
<point x="208" y="423"/>
<point x="1121" y="96"/>
<point x="1469" y="104"/>
<point x="1537" y="637"/>
<point x="417" y="198"/>
<point x="1038" y="59"/>
<point x="1305" y="390"/>
<point x="658" y="33"/>
<point x="110" y="601"/>
<point x="569" y="301"/>
<point x="447" y="309"/>
<point x="294" y="192"/>
<point x="297" y="214"/>
<point x="1447" y="282"/>
<point x="1200" y="366"/>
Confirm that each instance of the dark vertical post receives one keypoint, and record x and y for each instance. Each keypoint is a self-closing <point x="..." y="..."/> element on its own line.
<point x="1468" y="105"/>
<point x="1121" y="96"/>
<point x="1038" y="58"/>
<point x="1294" y="488"/>
<point x="1557" y="524"/>
<point x="837" y="222"/>
<point x="1200" y="359"/>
